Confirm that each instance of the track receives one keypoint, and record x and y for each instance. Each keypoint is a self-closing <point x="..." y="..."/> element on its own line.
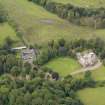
<point x="87" y="69"/>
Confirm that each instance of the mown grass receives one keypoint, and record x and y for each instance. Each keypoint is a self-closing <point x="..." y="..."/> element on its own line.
<point x="92" y="96"/>
<point x="7" y="31"/>
<point x="97" y="75"/>
<point x="40" y="26"/>
<point x="64" y="66"/>
<point x="84" y="3"/>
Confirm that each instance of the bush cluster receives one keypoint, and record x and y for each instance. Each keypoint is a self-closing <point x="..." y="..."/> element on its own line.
<point x="63" y="48"/>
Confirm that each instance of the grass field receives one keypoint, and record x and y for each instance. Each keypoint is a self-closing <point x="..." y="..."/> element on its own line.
<point x="5" y="31"/>
<point x="92" y="96"/>
<point x="40" y="26"/>
<point x="84" y="3"/>
<point x="64" y="66"/>
<point x="98" y="74"/>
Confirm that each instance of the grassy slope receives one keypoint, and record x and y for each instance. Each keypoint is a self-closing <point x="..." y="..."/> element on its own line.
<point x="93" y="96"/>
<point x="63" y="66"/>
<point x="84" y="3"/>
<point x="39" y="26"/>
<point x="5" y="31"/>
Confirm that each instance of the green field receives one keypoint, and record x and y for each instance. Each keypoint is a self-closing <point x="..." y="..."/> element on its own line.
<point x="97" y="75"/>
<point x="84" y="3"/>
<point x="92" y="96"/>
<point x="5" y="31"/>
<point x="64" y="66"/>
<point x="40" y="26"/>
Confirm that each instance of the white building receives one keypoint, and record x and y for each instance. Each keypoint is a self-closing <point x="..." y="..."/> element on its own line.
<point x="87" y="59"/>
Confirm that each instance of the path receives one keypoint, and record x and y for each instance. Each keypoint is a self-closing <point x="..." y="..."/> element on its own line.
<point x="88" y="68"/>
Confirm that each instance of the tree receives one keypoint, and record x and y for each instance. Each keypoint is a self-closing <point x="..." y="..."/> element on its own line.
<point x="15" y="71"/>
<point x="27" y="67"/>
<point x="27" y="98"/>
<point x="88" y="79"/>
<point x="55" y="75"/>
<point x="43" y="57"/>
<point x="87" y="75"/>
<point x="4" y="95"/>
<point x="8" y="43"/>
<point x="51" y="43"/>
<point x="61" y="42"/>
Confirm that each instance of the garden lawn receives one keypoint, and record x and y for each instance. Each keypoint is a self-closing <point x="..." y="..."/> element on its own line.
<point x="92" y="96"/>
<point x="84" y="3"/>
<point x="64" y="66"/>
<point x="98" y="74"/>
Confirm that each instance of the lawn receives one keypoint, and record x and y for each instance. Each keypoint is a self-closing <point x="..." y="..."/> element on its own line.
<point x="64" y="66"/>
<point x="40" y="26"/>
<point x="92" y="96"/>
<point x="84" y="3"/>
<point x="97" y="75"/>
<point x="5" y="31"/>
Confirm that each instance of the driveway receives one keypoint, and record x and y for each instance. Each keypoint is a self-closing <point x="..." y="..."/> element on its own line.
<point x="99" y="64"/>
